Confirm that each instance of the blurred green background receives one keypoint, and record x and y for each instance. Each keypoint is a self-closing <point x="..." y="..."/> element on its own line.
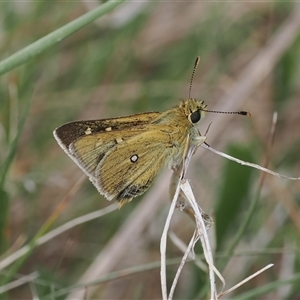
<point x="138" y="58"/>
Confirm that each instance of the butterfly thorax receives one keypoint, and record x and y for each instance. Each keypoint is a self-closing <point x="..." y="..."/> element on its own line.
<point x="181" y="126"/>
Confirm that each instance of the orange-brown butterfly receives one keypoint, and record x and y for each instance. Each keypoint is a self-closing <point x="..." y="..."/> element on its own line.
<point x="122" y="156"/>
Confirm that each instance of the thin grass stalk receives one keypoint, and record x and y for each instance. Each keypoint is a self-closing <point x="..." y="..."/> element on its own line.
<point x="56" y="36"/>
<point x="254" y="202"/>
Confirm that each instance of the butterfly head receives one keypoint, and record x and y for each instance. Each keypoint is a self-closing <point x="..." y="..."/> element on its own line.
<point x="193" y="109"/>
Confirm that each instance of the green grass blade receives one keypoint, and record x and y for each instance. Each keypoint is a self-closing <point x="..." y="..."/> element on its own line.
<point x="13" y="147"/>
<point x="54" y="37"/>
<point x="4" y="197"/>
<point x="234" y="190"/>
<point x="267" y="288"/>
<point x="4" y="203"/>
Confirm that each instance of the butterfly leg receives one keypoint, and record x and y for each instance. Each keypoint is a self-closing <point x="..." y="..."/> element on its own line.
<point x="178" y="175"/>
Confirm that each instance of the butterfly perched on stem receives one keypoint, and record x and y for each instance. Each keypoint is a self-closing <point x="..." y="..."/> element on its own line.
<point x="122" y="156"/>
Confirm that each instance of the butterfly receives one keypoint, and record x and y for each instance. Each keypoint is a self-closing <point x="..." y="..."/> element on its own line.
<point x="122" y="156"/>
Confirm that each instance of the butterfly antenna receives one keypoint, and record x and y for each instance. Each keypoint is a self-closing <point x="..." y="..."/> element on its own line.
<point x="242" y="112"/>
<point x="193" y="74"/>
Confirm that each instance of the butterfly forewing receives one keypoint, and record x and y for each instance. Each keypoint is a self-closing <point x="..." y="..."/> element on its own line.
<point x="89" y="150"/>
<point x="70" y="132"/>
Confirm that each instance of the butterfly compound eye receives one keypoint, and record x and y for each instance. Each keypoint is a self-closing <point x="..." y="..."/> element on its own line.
<point x="195" y="116"/>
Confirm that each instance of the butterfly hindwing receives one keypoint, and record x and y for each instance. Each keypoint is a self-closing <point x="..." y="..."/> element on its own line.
<point x="123" y="164"/>
<point x="129" y="169"/>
